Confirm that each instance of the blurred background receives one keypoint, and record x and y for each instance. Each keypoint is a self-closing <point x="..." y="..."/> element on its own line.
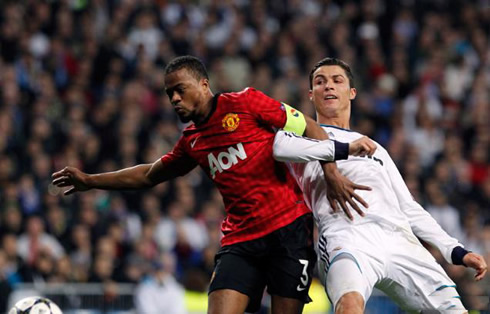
<point x="81" y="84"/>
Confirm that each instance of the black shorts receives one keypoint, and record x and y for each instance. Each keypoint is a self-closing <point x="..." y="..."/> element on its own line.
<point x="282" y="260"/>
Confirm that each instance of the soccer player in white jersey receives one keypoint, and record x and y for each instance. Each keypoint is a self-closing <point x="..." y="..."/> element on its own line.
<point x="380" y="249"/>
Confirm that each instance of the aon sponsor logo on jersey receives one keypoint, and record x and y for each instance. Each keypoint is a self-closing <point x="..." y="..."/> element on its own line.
<point x="225" y="160"/>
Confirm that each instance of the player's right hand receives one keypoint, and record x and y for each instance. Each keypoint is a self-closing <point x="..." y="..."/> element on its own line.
<point x="362" y="147"/>
<point x="71" y="177"/>
<point x="476" y="262"/>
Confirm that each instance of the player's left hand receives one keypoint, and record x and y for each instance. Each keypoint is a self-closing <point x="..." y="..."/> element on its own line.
<point x="342" y="191"/>
<point x="476" y="262"/>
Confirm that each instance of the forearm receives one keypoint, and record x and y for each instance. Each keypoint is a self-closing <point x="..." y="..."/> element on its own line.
<point x="426" y="228"/>
<point x="136" y="177"/>
<point x="294" y="148"/>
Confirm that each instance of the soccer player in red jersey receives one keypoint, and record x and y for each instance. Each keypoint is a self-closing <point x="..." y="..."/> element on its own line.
<point x="267" y="230"/>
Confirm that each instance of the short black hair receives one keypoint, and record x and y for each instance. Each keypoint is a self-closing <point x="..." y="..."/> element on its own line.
<point x="333" y="61"/>
<point x="192" y="64"/>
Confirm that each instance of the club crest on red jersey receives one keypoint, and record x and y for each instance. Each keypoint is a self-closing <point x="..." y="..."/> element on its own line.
<point x="231" y="122"/>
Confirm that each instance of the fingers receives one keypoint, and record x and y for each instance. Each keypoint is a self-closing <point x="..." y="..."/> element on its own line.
<point x="333" y="204"/>
<point x="361" y="187"/>
<point x="355" y="207"/>
<point x="371" y="148"/>
<point x="476" y="262"/>
<point x="346" y="210"/>
<point x="480" y="274"/>
<point x="70" y="191"/>
<point x="65" y="172"/>
<point x="64" y="178"/>
<point x="362" y="147"/>
<point x="62" y="181"/>
<point x="58" y="174"/>
<point x="360" y="200"/>
<point x="481" y="268"/>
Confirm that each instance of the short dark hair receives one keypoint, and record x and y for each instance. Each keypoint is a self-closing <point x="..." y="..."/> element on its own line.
<point x="333" y="61"/>
<point x="190" y="63"/>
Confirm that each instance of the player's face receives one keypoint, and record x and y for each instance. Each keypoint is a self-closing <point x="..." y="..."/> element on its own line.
<point x="186" y="93"/>
<point x="331" y="92"/>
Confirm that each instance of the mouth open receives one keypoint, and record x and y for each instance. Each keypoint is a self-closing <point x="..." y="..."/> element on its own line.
<point x="330" y="97"/>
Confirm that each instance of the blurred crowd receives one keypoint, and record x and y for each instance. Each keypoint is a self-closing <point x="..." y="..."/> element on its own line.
<point x="81" y="84"/>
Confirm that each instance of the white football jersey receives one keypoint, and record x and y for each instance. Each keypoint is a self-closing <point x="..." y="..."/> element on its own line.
<point x="390" y="203"/>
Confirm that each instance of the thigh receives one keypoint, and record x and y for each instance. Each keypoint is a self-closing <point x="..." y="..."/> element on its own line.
<point x="281" y="305"/>
<point x="227" y="301"/>
<point x="347" y="273"/>
<point x="290" y="263"/>
<point x="417" y="282"/>
<point x="238" y="273"/>
<point x="351" y="262"/>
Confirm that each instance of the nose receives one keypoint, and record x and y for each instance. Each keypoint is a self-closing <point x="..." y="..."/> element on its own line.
<point x="328" y="85"/>
<point x="175" y="99"/>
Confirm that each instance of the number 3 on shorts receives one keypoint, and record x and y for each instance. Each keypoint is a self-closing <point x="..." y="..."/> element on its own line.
<point x="304" y="276"/>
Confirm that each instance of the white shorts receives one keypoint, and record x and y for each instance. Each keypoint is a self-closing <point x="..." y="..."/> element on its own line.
<point x="365" y="256"/>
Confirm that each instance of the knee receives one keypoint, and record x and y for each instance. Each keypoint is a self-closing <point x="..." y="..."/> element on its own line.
<point x="351" y="302"/>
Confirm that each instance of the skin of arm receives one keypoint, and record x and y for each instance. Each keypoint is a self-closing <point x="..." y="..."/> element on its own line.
<point x="137" y="177"/>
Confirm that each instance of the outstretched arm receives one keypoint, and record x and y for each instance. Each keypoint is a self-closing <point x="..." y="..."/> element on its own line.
<point x="137" y="177"/>
<point x="173" y="164"/>
<point x="426" y="227"/>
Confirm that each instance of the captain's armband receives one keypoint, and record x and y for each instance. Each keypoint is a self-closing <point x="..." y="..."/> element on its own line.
<point x="295" y="120"/>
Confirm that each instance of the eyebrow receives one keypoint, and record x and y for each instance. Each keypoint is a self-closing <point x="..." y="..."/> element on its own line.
<point x="173" y="87"/>
<point x="324" y="77"/>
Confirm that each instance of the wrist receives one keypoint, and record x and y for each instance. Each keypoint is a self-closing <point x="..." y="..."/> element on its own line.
<point x="88" y="180"/>
<point x="330" y="169"/>
<point x="458" y="254"/>
<point x="341" y="150"/>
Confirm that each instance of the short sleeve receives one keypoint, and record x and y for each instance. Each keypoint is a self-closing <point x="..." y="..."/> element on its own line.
<point x="267" y="110"/>
<point x="178" y="162"/>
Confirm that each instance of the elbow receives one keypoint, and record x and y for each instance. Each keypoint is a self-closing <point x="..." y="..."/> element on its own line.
<point x="277" y="151"/>
<point x="149" y="179"/>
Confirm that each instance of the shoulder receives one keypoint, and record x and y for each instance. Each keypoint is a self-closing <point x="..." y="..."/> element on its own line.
<point x="248" y="91"/>
<point x="246" y="99"/>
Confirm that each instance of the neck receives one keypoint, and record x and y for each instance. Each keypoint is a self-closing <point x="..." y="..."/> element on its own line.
<point x="341" y="119"/>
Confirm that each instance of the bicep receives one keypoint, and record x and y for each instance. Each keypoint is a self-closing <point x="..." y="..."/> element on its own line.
<point x="173" y="164"/>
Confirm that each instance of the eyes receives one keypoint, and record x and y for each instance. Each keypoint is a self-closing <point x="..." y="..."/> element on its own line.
<point x="336" y="80"/>
<point x="179" y="89"/>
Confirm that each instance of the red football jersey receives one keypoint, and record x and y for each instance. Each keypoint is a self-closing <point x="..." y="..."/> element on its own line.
<point x="234" y="148"/>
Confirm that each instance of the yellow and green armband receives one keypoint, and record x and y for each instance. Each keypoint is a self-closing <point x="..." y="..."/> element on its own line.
<point x="295" y="120"/>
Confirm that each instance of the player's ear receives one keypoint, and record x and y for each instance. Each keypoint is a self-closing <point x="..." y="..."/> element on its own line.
<point x="310" y="95"/>
<point x="353" y="93"/>
<point x="205" y="83"/>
